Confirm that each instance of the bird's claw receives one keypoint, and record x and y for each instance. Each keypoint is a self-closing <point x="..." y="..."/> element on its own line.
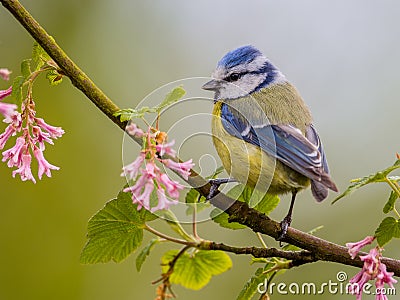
<point x="215" y="183"/>
<point x="285" y="223"/>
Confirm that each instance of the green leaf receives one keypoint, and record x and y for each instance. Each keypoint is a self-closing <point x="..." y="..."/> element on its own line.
<point x="172" y="97"/>
<point x="145" y="252"/>
<point x="193" y="198"/>
<point x="26" y="68"/>
<point x="245" y="194"/>
<point x="251" y="286"/>
<point x="54" y="77"/>
<point x="127" y="114"/>
<point x="360" y="182"/>
<point x="115" y="231"/>
<point x="194" y="271"/>
<point x="390" y="203"/>
<point x="388" y="229"/>
<point x="39" y="57"/>
<point x="17" y="89"/>
<point x="222" y="219"/>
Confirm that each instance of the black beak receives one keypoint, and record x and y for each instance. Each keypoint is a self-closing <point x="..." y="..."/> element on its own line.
<point x="212" y="85"/>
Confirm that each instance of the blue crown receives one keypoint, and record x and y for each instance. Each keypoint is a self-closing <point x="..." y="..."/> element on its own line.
<point x="241" y="55"/>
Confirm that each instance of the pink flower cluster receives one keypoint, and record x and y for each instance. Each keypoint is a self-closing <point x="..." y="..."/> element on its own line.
<point x="147" y="177"/>
<point x="373" y="269"/>
<point x="35" y="131"/>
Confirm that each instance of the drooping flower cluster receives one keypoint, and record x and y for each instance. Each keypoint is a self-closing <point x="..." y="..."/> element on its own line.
<point x="33" y="131"/>
<point x="373" y="269"/>
<point x="148" y="177"/>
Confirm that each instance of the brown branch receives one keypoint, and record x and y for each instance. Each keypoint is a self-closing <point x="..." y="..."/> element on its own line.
<point x="297" y="257"/>
<point x="240" y="212"/>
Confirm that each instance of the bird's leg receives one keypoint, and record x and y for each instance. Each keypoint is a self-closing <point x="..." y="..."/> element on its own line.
<point x="215" y="183"/>
<point x="285" y="223"/>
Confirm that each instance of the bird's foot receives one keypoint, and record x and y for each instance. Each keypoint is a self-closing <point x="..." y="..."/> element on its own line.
<point x="215" y="183"/>
<point x="285" y="223"/>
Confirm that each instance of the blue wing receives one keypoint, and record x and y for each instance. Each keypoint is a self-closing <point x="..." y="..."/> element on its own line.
<point x="286" y="143"/>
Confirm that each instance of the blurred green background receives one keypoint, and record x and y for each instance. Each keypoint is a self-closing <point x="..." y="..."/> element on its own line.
<point x="343" y="56"/>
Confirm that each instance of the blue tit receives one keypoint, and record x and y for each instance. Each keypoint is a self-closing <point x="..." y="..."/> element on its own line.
<point x="263" y="131"/>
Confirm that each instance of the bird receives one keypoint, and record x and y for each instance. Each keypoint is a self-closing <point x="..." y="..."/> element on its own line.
<point x="263" y="131"/>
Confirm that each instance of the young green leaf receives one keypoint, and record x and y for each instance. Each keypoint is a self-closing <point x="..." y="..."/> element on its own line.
<point x="115" y="231"/>
<point x="54" y="77"/>
<point x="222" y="219"/>
<point x="26" y="68"/>
<point x="256" y="284"/>
<point x="252" y="197"/>
<point x="388" y="229"/>
<point x="389" y="206"/>
<point x="145" y="253"/>
<point x="39" y="57"/>
<point x="172" y="97"/>
<point x="17" y="89"/>
<point x="194" y="271"/>
<point x="360" y="182"/>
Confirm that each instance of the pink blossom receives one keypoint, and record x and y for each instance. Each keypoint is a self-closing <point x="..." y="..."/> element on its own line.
<point x="10" y="130"/>
<point x="143" y="199"/>
<point x="182" y="168"/>
<point x="5" y="74"/>
<point x="171" y="186"/>
<point x="7" y="110"/>
<point x="133" y="130"/>
<point x="354" y="248"/>
<point x="384" y="277"/>
<point x="40" y="137"/>
<point x="371" y="261"/>
<point x="151" y="170"/>
<point x="5" y="93"/>
<point x="163" y="202"/>
<point x="44" y="166"/>
<point x="14" y="154"/>
<point x="166" y="149"/>
<point x="131" y="170"/>
<point x="25" y="169"/>
<point x="55" y="132"/>
<point x="137" y="187"/>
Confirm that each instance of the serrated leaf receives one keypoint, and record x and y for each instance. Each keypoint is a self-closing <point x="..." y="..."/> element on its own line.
<point x="246" y="194"/>
<point x="127" y="114"/>
<point x="17" y="89"/>
<point x="26" y="68"/>
<point x="194" y="271"/>
<point x="360" y="182"/>
<point x="251" y="286"/>
<point x="172" y="97"/>
<point x="115" y="231"/>
<point x="54" y="77"/>
<point x="390" y="203"/>
<point x="140" y="259"/>
<point x="39" y="57"/>
<point x="388" y="229"/>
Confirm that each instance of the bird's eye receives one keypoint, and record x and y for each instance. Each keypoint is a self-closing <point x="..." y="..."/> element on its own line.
<point x="234" y="77"/>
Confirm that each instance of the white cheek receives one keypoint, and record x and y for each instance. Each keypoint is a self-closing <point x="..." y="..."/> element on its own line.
<point x="242" y="87"/>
